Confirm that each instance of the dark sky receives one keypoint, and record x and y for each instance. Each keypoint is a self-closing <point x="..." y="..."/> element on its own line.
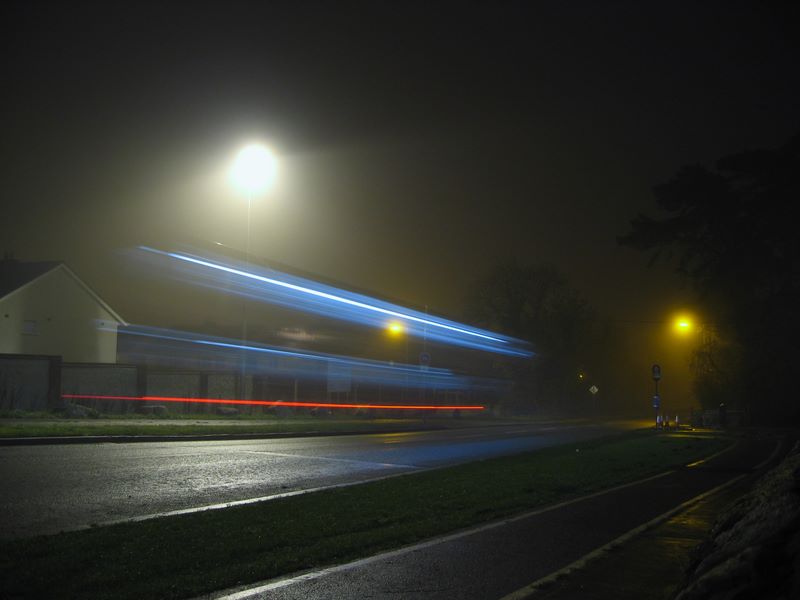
<point x="418" y="142"/>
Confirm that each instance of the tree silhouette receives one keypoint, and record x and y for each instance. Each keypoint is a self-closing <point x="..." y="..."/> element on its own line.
<point x="732" y="232"/>
<point x="536" y="303"/>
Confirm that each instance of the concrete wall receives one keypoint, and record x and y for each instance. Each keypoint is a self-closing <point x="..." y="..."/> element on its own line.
<point x="32" y="383"/>
<point x="100" y="380"/>
<point x="180" y="384"/>
<point x="56" y="315"/>
<point x="29" y="383"/>
<point x="222" y="385"/>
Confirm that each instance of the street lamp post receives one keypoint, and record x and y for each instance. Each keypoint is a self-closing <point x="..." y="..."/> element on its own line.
<point x="397" y="329"/>
<point x="252" y="174"/>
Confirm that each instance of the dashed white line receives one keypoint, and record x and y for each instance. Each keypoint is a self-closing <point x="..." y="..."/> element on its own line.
<point x="329" y="458"/>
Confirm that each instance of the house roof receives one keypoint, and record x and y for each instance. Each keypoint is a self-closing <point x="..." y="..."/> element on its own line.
<point x="15" y="274"/>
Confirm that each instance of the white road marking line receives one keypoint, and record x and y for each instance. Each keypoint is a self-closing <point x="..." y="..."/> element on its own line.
<point x="232" y="503"/>
<point x="532" y="588"/>
<point x="715" y="455"/>
<point x="328" y="458"/>
<point x="253" y="592"/>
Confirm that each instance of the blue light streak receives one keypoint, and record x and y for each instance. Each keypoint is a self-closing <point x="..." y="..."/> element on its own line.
<point x="302" y="294"/>
<point x="188" y="349"/>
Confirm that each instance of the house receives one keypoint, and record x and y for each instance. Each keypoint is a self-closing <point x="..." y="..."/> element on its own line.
<point x="46" y="309"/>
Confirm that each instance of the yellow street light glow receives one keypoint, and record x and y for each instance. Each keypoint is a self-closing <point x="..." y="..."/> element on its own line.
<point x="253" y="169"/>
<point x="682" y="324"/>
<point x="395" y="328"/>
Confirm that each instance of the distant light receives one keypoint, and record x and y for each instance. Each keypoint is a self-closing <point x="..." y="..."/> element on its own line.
<point x="253" y="169"/>
<point x="395" y="328"/>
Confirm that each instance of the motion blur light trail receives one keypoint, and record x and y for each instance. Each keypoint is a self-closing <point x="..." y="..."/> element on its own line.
<point x="275" y="287"/>
<point x="192" y="350"/>
<point x="273" y="403"/>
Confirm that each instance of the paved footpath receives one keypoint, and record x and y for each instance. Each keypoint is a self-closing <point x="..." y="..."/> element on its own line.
<point x="651" y="565"/>
<point x="503" y="559"/>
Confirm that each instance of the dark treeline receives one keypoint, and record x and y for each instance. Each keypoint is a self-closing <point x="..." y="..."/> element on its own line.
<point x="537" y="304"/>
<point x="732" y="233"/>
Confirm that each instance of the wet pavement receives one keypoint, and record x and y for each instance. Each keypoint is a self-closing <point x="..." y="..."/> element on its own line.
<point x="54" y="488"/>
<point x="501" y="559"/>
<point x="650" y="566"/>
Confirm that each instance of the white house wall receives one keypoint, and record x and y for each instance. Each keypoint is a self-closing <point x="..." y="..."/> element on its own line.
<point x="55" y="315"/>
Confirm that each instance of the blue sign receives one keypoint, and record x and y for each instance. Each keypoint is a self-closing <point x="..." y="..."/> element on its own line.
<point x="656" y="401"/>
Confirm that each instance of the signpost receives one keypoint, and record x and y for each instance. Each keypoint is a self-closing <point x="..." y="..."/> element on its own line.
<point x="424" y="363"/>
<point x="656" y="372"/>
<point x="424" y="360"/>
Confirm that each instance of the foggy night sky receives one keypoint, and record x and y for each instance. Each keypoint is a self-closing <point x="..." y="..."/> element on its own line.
<point x="418" y="142"/>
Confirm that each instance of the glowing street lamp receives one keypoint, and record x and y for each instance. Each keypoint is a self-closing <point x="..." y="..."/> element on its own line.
<point x="683" y="325"/>
<point x="252" y="173"/>
<point x="395" y="328"/>
<point x="253" y="169"/>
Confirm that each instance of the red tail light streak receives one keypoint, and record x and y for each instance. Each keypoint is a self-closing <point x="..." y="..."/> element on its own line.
<point x="273" y="403"/>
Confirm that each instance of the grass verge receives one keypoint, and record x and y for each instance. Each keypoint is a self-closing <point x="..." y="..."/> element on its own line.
<point x="15" y="428"/>
<point x="188" y="555"/>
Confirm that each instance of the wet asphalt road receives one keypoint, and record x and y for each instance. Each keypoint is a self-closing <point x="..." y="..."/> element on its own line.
<point x="51" y="488"/>
<point x="502" y="558"/>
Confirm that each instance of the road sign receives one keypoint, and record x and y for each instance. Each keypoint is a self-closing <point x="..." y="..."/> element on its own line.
<point x="594" y="389"/>
<point x="656" y="372"/>
<point x="656" y="401"/>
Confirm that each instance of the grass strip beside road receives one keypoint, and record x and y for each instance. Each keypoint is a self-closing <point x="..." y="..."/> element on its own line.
<point x="189" y="555"/>
<point x="11" y="428"/>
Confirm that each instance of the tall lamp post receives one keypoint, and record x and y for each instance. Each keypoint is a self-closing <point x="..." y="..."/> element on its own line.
<point x="252" y="173"/>
<point x="683" y="326"/>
